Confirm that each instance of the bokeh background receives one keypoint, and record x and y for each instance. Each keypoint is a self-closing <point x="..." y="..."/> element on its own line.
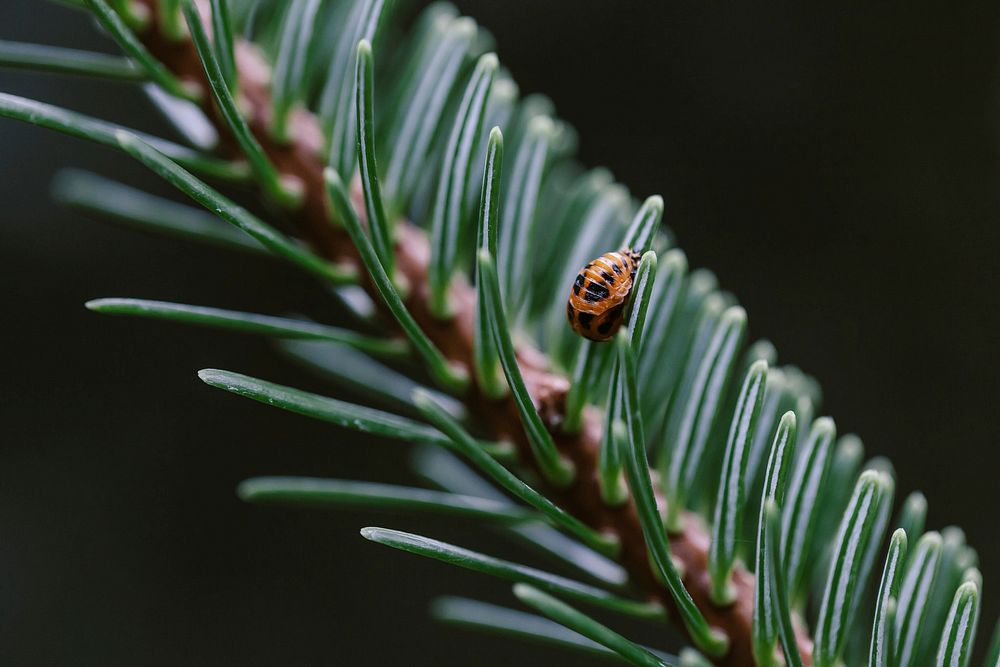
<point x="837" y="167"/>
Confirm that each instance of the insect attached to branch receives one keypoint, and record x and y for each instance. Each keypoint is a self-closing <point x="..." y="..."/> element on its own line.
<point x="596" y="306"/>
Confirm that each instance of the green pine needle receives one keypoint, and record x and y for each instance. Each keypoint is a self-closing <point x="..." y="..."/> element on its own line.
<point x="105" y="133"/>
<point x="155" y="70"/>
<point x="170" y="19"/>
<point x="873" y="552"/>
<point x="285" y="192"/>
<point x="778" y="595"/>
<point x="801" y="507"/>
<point x="44" y="58"/>
<point x="463" y="443"/>
<point x="645" y="225"/>
<point x="914" y="594"/>
<point x="486" y="356"/>
<point x="446" y="471"/>
<point x="449" y="213"/>
<point x="493" y="619"/>
<point x="90" y="193"/>
<point x="641" y="486"/>
<point x="778" y="400"/>
<point x="267" y="325"/>
<point x="729" y="506"/>
<point x="880" y="652"/>
<point x="698" y="417"/>
<point x="565" y="615"/>
<point x="379" y="226"/>
<point x="337" y="105"/>
<point x="134" y="14"/>
<point x="593" y="359"/>
<point x="520" y="205"/>
<point x="858" y="529"/>
<point x="287" y="79"/>
<point x="236" y="215"/>
<point x="664" y="329"/>
<point x="347" y="415"/>
<point x="765" y="623"/>
<point x="847" y="458"/>
<point x="366" y="378"/>
<point x="472" y="560"/>
<point x="609" y="464"/>
<point x="449" y="375"/>
<point x="679" y="298"/>
<point x="640" y="297"/>
<point x="337" y="493"/>
<point x="427" y="91"/>
<point x="499" y="113"/>
<point x="222" y="42"/>
<point x="956" y="646"/>
<point x="557" y="469"/>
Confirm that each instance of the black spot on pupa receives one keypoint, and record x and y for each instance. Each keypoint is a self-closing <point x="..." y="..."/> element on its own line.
<point x="585" y="318"/>
<point x="608" y="277"/>
<point x="617" y="269"/>
<point x="569" y="312"/>
<point x="596" y="292"/>
<point x="578" y="284"/>
<point x="610" y="319"/>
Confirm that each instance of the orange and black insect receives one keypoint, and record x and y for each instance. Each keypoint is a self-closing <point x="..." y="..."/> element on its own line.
<point x="596" y="305"/>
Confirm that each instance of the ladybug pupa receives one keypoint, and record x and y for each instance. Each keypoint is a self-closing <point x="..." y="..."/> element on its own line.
<point x="596" y="306"/>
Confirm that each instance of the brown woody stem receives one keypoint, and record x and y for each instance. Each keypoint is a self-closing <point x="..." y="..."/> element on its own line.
<point x="299" y="160"/>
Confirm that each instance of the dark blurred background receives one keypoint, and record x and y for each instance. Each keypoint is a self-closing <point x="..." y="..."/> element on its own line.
<point x="836" y="167"/>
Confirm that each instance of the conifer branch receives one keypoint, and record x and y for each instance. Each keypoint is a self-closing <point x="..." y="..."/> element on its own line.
<point x="299" y="158"/>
